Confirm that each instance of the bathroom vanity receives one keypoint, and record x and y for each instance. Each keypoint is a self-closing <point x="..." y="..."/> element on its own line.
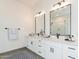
<point x="61" y="44"/>
<point x="52" y="48"/>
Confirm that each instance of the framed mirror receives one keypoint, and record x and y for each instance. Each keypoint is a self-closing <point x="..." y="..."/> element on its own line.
<point x="60" y="21"/>
<point x="40" y="24"/>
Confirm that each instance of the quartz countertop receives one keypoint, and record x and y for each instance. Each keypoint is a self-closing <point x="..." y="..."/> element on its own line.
<point x="61" y="40"/>
<point x="54" y="39"/>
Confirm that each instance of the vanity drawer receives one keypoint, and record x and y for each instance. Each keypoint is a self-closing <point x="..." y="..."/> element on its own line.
<point x="69" y="55"/>
<point x="70" y="52"/>
<point x="69" y="48"/>
<point x="43" y="50"/>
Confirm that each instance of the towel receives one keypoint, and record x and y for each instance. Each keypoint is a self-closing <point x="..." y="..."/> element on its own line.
<point x="13" y="33"/>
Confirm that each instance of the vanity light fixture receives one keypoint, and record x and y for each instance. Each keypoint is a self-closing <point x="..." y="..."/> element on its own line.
<point x="39" y="13"/>
<point x="59" y="3"/>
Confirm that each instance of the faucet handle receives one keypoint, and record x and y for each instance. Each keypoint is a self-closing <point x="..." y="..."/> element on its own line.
<point x="70" y="36"/>
<point x="57" y="35"/>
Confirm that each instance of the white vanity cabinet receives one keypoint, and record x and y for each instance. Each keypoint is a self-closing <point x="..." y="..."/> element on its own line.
<point x="29" y="44"/>
<point x="52" y="50"/>
<point x="45" y="49"/>
<point x="70" y="52"/>
<point x="36" y="46"/>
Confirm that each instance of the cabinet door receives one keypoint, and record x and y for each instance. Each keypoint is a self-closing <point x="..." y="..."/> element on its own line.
<point x="54" y="53"/>
<point x="35" y="46"/>
<point x="29" y="44"/>
<point x="58" y="53"/>
<point x="53" y="50"/>
<point x="50" y="53"/>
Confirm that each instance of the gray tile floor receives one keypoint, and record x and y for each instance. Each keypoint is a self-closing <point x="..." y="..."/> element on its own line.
<point x="22" y="53"/>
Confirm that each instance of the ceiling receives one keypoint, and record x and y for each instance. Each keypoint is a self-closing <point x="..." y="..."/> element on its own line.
<point x="29" y="3"/>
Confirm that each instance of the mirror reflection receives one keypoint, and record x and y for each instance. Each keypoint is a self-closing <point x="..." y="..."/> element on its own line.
<point x="40" y="24"/>
<point x="60" y="21"/>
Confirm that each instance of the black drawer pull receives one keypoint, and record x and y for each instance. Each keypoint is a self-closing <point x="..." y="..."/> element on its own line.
<point x="71" y="57"/>
<point x="39" y="46"/>
<point x="71" y="48"/>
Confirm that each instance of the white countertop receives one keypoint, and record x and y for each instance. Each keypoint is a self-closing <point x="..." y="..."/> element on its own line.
<point x="54" y="39"/>
<point x="61" y="40"/>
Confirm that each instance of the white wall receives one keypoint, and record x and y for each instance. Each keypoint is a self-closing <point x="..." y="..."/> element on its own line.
<point x="14" y="14"/>
<point x="47" y="5"/>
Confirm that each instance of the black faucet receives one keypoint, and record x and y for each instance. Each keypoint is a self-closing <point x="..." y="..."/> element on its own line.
<point x="69" y="37"/>
<point x="57" y="35"/>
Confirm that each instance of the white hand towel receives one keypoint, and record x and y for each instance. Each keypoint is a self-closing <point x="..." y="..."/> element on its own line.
<point x="13" y="33"/>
